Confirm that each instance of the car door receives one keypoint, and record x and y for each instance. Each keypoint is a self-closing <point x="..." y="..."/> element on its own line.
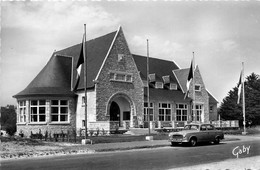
<point x="203" y="134"/>
<point x="211" y="132"/>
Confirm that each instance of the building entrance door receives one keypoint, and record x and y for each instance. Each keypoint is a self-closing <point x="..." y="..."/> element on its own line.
<point x="115" y="112"/>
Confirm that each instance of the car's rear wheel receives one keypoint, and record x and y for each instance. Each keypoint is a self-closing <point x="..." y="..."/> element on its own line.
<point x="217" y="140"/>
<point x="193" y="141"/>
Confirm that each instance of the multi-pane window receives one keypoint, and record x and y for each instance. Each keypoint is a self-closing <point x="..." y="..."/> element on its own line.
<point x="22" y="111"/>
<point x="198" y="112"/>
<point x="164" y="112"/>
<point x="181" y="112"/>
<point x="59" y="110"/>
<point x="38" y="110"/>
<point x="146" y="108"/>
<point x="121" y="76"/>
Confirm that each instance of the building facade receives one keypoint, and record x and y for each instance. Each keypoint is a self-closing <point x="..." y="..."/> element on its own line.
<point x="117" y="95"/>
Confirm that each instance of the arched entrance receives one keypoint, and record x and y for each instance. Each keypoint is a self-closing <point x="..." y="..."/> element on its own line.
<point x="120" y="109"/>
<point x="114" y="112"/>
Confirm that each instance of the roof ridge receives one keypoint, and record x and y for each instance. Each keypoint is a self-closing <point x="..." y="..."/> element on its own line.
<point x="154" y="58"/>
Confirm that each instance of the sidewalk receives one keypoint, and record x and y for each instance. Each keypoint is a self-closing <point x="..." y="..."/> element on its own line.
<point x="250" y="163"/>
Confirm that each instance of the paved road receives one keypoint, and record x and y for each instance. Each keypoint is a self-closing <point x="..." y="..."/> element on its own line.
<point x="161" y="158"/>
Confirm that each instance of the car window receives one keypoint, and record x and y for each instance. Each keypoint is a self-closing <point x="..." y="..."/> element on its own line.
<point x="194" y="127"/>
<point x="191" y="127"/>
<point x="210" y="127"/>
<point x="203" y="127"/>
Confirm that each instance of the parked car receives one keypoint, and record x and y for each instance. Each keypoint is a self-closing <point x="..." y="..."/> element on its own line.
<point x="194" y="133"/>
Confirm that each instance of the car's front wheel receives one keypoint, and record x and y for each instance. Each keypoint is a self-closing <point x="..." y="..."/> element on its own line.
<point x="193" y="141"/>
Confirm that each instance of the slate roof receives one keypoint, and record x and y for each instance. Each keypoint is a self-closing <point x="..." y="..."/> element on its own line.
<point x="182" y="76"/>
<point x="97" y="50"/>
<point x="55" y="77"/>
<point x="158" y="66"/>
<point x="165" y="95"/>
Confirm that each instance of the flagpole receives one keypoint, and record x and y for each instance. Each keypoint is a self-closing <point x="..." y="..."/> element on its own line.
<point x="148" y="102"/>
<point x="244" y="109"/>
<point x="193" y="86"/>
<point x="85" y="81"/>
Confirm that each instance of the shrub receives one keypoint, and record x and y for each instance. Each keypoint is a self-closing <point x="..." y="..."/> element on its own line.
<point x="10" y="129"/>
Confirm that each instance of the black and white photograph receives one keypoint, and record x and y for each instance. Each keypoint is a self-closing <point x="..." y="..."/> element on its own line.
<point x="130" y="85"/>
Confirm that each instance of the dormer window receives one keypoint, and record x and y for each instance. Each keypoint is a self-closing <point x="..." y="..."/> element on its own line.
<point x="159" y="85"/>
<point x="197" y="87"/>
<point x="166" y="79"/>
<point x="173" y="86"/>
<point x="152" y="77"/>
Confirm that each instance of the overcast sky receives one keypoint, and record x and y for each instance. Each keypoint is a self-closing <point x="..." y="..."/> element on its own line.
<point x="221" y="34"/>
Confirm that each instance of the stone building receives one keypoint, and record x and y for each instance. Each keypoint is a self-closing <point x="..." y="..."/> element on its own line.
<point x="116" y="91"/>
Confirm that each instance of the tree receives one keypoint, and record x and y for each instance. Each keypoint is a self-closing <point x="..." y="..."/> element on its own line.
<point x="230" y="110"/>
<point x="8" y="119"/>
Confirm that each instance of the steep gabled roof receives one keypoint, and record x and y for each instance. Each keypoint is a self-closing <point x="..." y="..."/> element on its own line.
<point x="166" y="95"/>
<point x="55" y="77"/>
<point x="97" y="50"/>
<point x="182" y="76"/>
<point x="158" y="66"/>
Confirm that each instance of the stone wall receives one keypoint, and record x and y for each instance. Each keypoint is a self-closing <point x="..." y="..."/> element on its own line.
<point x="202" y="96"/>
<point x="105" y="88"/>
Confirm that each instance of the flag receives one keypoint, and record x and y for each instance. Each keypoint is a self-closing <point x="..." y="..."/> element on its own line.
<point x="239" y="88"/>
<point x="190" y="77"/>
<point x="80" y="63"/>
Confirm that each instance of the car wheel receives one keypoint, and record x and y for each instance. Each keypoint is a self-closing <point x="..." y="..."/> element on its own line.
<point x="174" y="143"/>
<point x="193" y="141"/>
<point x="217" y="140"/>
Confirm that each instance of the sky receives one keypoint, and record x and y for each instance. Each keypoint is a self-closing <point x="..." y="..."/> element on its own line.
<point x="222" y="35"/>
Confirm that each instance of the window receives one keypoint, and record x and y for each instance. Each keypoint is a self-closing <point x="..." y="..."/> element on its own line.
<point x="164" y="112"/>
<point x="59" y="110"/>
<point x="181" y="112"/>
<point x="166" y="79"/>
<point x="173" y="86"/>
<point x="197" y="87"/>
<point x="38" y="110"/>
<point x="126" y="115"/>
<point x="22" y="111"/>
<point x="146" y="111"/>
<point x="211" y="108"/>
<point x="203" y="128"/>
<point x="151" y="77"/>
<point x="198" y="112"/>
<point x="120" y="76"/>
<point x="159" y="85"/>
<point x="210" y="127"/>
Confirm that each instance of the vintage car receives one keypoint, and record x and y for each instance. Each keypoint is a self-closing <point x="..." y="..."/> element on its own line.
<point x="194" y="133"/>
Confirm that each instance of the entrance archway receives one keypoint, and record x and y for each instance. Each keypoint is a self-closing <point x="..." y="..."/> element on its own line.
<point x="120" y="109"/>
<point x="114" y="112"/>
